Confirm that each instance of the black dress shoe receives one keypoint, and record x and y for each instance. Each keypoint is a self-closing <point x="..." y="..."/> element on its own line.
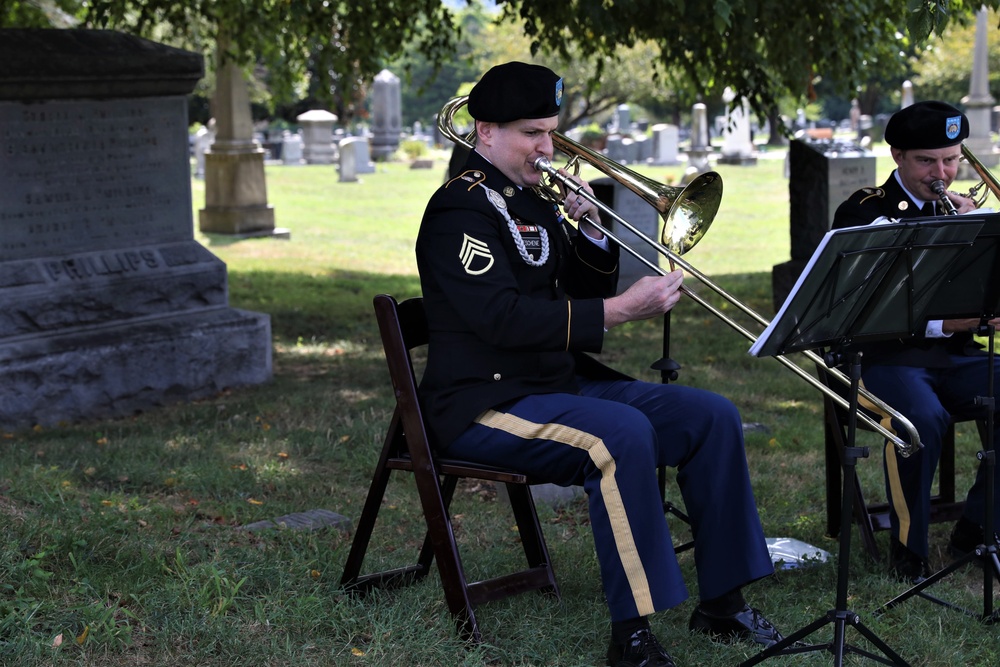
<point x="641" y="650"/>
<point x="747" y="624"/>
<point x="905" y="565"/>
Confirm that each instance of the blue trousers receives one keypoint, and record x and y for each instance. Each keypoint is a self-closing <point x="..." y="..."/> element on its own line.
<point x="611" y="438"/>
<point x="930" y="398"/>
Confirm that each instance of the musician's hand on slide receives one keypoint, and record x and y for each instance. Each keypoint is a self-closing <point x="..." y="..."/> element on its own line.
<point x="648" y="297"/>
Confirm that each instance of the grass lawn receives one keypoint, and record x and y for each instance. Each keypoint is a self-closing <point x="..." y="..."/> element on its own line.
<point x="123" y="540"/>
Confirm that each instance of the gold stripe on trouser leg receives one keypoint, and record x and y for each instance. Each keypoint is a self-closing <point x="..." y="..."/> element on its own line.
<point x="892" y="468"/>
<point x="602" y="458"/>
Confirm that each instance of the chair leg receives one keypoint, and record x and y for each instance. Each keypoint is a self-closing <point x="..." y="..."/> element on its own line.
<point x="352" y="580"/>
<point x="522" y="503"/>
<point x="435" y="501"/>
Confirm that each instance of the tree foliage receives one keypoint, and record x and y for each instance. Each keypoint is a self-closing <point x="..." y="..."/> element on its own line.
<point x="337" y="43"/>
<point x="944" y="70"/>
<point x="759" y="49"/>
<point x="766" y="51"/>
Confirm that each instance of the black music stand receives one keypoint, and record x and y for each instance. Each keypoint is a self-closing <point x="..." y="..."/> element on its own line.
<point x="861" y="284"/>
<point x="972" y="289"/>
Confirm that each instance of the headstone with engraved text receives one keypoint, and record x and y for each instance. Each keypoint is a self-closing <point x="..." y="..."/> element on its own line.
<point x="108" y="305"/>
<point x="823" y="175"/>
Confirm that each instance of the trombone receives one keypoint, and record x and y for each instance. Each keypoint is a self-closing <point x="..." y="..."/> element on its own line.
<point x="985" y="176"/>
<point x="687" y="213"/>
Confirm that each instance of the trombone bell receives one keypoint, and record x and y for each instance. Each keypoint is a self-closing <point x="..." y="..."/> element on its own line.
<point x="687" y="212"/>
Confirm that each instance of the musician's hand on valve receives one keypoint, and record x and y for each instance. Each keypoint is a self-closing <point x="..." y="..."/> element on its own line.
<point x="649" y="297"/>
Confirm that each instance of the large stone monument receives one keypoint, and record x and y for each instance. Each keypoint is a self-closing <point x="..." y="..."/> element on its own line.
<point x="823" y="174"/>
<point x="108" y="305"/>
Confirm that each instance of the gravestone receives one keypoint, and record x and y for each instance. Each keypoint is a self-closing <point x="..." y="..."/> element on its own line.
<point x="622" y="121"/>
<point x="348" y="160"/>
<point x="665" y="143"/>
<point x="362" y="154"/>
<point x="906" y="97"/>
<point x="387" y="115"/>
<point x="700" y="149"/>
<point x="737" y="145"/>
<point x="822" y="176"/>
<point x="317" y="136"/>
<point x="202" y="141"/>
<point x="643" y="149"/>
<point x="291" y="148"/>
<point x="640" y="214"/>
<point x="108" y="306"/>
<point x="614" y="149"/>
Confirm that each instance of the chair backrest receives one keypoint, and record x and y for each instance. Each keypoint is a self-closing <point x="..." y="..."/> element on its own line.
<point x="403" y="327"/>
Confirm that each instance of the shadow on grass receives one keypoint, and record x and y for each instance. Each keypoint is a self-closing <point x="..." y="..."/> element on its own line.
<point x="316" y="309"/>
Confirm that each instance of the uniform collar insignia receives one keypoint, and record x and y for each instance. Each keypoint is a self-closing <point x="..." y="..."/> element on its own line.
<point x="871" y="192"/>
<point x="472" y="176"/>
<point x="508" y="191"/>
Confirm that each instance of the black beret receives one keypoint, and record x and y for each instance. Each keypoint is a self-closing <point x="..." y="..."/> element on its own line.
<point x="926" y="125"/>
<point x="515" y="90"/>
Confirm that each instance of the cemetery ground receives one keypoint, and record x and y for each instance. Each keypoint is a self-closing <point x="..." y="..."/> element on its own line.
<point x="124" y="542"/>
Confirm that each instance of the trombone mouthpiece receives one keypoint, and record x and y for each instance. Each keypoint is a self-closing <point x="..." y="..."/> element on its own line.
<point x="543" y="164"/>
<point x="938" y="188"/>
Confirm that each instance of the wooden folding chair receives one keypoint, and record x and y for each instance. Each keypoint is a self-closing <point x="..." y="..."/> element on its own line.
<point x="874" y="517"/>
<point x="403" y="326"/>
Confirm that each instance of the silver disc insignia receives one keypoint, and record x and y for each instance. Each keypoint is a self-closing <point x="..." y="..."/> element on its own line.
<point x="496" y="199"/>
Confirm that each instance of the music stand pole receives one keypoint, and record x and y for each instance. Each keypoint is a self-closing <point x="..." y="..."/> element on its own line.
<point x="840" y="616"/>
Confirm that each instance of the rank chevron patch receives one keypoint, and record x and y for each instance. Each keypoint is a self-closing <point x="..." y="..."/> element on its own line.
<point x="476" y="256"/>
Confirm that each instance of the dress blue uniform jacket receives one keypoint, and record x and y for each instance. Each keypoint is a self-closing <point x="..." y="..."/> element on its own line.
<point x="500" y="328"/>
<point x="509" y="381"/>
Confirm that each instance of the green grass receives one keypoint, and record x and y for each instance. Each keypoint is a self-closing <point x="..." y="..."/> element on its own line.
<point x="123" y="542"/>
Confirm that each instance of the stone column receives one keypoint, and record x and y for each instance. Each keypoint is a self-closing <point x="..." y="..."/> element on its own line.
<point x="979" y="103"/>
<point x="700" y="149"/>
<point x="387" y="115"/>
<point x="235" y="188"/>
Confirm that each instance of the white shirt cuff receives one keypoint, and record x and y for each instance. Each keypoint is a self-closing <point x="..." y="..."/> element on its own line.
<point x="602" y="243"/>
<point x="933" y="329"/>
